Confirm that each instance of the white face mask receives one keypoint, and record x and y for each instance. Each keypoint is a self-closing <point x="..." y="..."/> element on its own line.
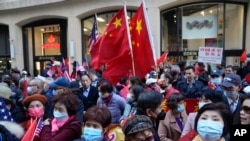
<point x="201" y="104"/>
<point x="129" y="97"/>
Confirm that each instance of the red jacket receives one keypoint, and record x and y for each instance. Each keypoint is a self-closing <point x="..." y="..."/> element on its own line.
<point x="69" y="131"/>
<point x="170" y="91"/>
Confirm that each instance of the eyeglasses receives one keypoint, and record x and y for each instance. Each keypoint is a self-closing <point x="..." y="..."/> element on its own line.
<point x="246" y="109"/>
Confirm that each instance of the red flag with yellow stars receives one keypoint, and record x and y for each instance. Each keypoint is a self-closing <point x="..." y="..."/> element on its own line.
<point x="114" y="42"/>
<point x="141" y="45"/>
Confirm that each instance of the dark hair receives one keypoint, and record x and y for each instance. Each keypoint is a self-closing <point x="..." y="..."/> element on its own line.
<point x="189" y="67"/>
<point x="84" y="73"/>
<point x="169" y="77"/>
<point x="213" y="95"/>
<point x="137" y="90"/>
<point x="173" y="99"/>
<point x="123" y="80"/>
<point x="106" y="86"/>
<point x="182" y="64"/>
<point x="149" y="99"/>
<point x="99" y="114"/>
<point x="244" y="97"/>
<point x="222" y="109"/>
<point x="229" y="66"/>
<point x="69" y="99"/>
<point x="134" y="80"/>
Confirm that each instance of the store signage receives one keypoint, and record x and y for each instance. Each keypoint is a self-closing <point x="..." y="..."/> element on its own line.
<point x="189" y="53"/>
<point x="41" y="58"/>
<point x="210" y="55"/>
<point x="51" y="40"/>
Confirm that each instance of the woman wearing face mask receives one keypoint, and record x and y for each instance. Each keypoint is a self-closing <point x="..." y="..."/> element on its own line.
<point x="64" y="126"/>
<point x="207" y="96"/>
<point x="35" y="106"/>
<point x="107" y="98"/>
<point x="96" y="121"/>
<point x="172" y="126"/>
<point x="211" y="124"/>
<point x="131" y="106"/>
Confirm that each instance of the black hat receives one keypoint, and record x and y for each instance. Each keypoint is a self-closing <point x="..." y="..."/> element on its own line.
<point x="74" y="86"/>
<point x="137" y="124"/>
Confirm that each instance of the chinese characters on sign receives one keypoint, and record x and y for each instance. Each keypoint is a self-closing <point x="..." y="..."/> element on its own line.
<point x="210" y="55"/>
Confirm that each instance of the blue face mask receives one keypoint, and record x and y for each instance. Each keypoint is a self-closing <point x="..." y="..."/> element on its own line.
<point x="229" y="94"/>
<point x="29" y="90"/>
<point x="91" y="134"/>
<point x="60" y="115"/>
<point x="209" y="130"/>
<point x="216" y="81"/>
<point x="180" y="108"/>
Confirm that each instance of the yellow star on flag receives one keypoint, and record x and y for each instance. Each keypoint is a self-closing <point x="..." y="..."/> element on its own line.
<point x="117" y="22"/>
<point x="138" y="26"/>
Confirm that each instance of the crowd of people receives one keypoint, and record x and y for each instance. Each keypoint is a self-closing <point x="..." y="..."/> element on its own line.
<point x="153" y="108"/>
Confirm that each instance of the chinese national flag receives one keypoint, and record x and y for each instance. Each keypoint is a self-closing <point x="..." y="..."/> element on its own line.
<point x="115" y="42"/>
<point x="118" y="68"/>
<point x="94" y="53"/>
<point x="141" y="43"/>
<point x="162" y="58"/>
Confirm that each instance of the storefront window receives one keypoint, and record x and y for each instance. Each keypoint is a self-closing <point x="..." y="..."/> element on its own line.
<point x="187" y="28"/>
<point x="47" y="40"/>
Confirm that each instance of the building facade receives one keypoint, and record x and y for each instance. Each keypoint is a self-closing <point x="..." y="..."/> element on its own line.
<point x="35" y="32"/>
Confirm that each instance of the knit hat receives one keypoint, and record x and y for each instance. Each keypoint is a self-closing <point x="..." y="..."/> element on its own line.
<point x="27" y="100"/>
<point x="5" y="92"/>
<point x="136" y="124"/>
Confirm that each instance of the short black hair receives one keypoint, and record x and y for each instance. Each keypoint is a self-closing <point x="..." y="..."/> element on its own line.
<point x="169" y="77"/>
<point x="213" y="95"/>
<point x="173" y="99"/>
<point x="106" y="86"/>
<point x="189" y="67"/>
<point x="149" y="99"/>
<point x="223" y="110"/>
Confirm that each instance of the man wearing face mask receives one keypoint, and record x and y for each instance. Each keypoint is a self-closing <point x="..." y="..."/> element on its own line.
<point x="35" y="86"/>
<point x="231" y="86"/>
<point x="216" y="79"/>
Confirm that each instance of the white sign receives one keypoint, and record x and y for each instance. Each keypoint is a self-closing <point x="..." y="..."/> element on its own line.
<point x="210" y="55"/>
<point x="199" y="27"/>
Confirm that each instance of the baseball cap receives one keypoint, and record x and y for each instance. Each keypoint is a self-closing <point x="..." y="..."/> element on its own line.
<point x="216" y="73"/>
<point x="15" y="70"/>
<point x="5" y="92"/>
<point x="61" y="81"/>
<point x="150" y="81"/>
<point x="230" y="80"/>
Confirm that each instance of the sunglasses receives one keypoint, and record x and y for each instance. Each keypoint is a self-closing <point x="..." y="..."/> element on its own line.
<point x="246" y="109"/>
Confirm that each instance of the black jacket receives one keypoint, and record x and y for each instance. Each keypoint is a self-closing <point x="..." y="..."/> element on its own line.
<point x="91" y="99"/>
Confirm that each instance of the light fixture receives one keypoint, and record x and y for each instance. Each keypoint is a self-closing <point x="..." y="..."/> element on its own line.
<point x="10" y="61"/>
<point x="174" y="16"/>
<point x="42" y="29"/>
<point x="85" y="29"/>
<point x="211" y="11"/>
<point x="128" y="17"/>
<point x="100" y="19"/>
<point x="202" y="13"/>
<point x="1" y="61"/>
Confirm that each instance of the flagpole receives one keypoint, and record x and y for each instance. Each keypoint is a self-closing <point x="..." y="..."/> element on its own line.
<point x="149" y="31"/>
<point x="129" y="39"/>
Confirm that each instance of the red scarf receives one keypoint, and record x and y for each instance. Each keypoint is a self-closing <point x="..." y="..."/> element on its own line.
<point x="106" y="100"/>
